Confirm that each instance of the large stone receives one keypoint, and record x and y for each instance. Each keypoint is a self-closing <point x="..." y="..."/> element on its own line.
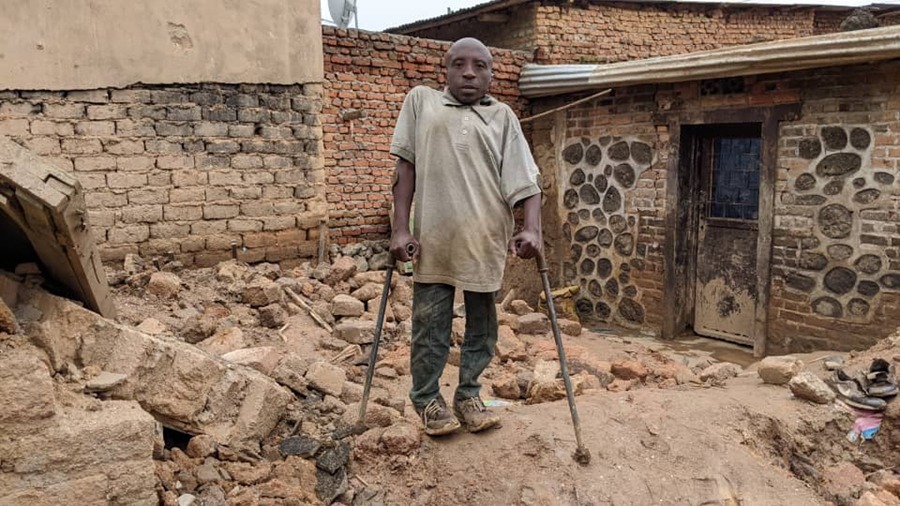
<point x="164" y="285"/>
<point x="569" y="327"/>
<point x="828" y="306"/>
<point x="201" y="446"/>
<point x="586" y="234"/>
<point x="577" y="178"/>
<point x="593" y="155"/>
<point x="272" y="316"/>
<point x="868" y="288"/>
<point x="249" y="474"/>
<point x="619" y="151"/>
<point x="179" y="384"/>
<point x="890" y="281"/>
<point x="510" y="347"/>
<point x="198" y="329"/>
<point x="326" y="377"/>
<point x="840" y="280"/>
<point x="807" y="385"/>
<point x="520" y="307"/>
<point x="719" y="373"/>
<point x="262" y="292"/>
<point x="341" y="270"/>
<point x="812" y="261"/>
<point x="104" y="382"/>
<point x="612" y="201"/>
<point x="346" y="305"/>
<point x="867" y="196"/>
<point x="589" y="195"/>
<point x="779" y="370"/>
<point x="264" y="358"/>
<point x="291" y="372"/>
<point x="631" y="311"/>
<point x="401" y="439"/>
<point x="624" y="174"/>
<point x="506" y="385"/>
<point x="629" y="370"/>
<point x="810" y="148"/>
<point x="805" y="182"/>
<point x="840" y="251"/>
<point x="835" y="221"/>
<point x="534" y="323"/>
<point x="868" y="264"/>
<point x="150" y="326"/>
<point x="330" y="486"/>
<point x="799" y="282"/>
<point x="859" y="138"/>
<point x="301" y="446"/>
<point x="573" y="153"/>
<point x="838" y="164"/>
<point x="231" y="271"/>
<point x="570" y="199"/>
<point x="334" y="458"/>
<point x="356" y="331"/>
<point x="368" y="291"/>
<point x="641" y="153"/>
<point x="835" y="137"/>
<point x="224" y="341"/>
<point x="26" y="391"/>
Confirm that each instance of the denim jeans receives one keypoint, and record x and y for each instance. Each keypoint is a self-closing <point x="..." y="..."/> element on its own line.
<point x="431" y="330"/>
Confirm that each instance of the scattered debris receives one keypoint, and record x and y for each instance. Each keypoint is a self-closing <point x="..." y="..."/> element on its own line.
<point x="807" y="385"/>
<point x="779" y="370"/>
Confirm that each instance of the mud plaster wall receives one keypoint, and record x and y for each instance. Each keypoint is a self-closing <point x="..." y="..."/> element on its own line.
<point x="560" y="32"/>
<point x="367" y="77"/>
<point x="92" y="44"/>
<point x="836" y="240"/>
<point x="186" y="169"/>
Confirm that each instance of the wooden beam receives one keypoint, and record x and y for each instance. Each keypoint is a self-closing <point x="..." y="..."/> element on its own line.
<point x="493" y="17"/>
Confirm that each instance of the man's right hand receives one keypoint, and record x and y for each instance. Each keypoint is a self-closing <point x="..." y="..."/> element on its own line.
<point x="400" y="242"/>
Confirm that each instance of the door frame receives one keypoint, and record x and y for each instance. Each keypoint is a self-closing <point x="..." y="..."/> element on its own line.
<point x="682" y="183"/>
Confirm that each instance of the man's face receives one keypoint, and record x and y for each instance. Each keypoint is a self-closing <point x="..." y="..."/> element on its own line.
<point x="468" y="72"/>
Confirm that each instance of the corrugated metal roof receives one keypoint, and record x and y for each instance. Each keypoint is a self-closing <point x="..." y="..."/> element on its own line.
<point x="495" y="5"/>
<point x="785" y="55"/>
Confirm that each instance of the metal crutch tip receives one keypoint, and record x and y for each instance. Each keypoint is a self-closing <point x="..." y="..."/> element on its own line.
<point x="582" y="456"/>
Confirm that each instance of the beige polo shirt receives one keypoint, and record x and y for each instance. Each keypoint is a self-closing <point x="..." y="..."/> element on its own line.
<point x="472" y="166"/>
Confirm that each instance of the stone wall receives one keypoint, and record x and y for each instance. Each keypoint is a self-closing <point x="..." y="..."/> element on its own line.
<point x="607" y="32"/>
<point x="367" y="76"/>
<point x="836" y="256"/>
<point x="186" y="169"/>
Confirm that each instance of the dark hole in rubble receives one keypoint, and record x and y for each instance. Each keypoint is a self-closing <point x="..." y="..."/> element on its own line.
<point x="174" y="438"/>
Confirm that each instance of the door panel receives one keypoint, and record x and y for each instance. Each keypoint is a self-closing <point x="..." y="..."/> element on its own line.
<point x="726" y="293"/>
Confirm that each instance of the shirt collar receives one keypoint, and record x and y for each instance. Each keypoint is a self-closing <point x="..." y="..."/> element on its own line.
<point x="485" y="108"/>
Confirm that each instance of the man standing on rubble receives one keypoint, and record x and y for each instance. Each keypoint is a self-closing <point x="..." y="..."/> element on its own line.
<point x="464" y="157"/>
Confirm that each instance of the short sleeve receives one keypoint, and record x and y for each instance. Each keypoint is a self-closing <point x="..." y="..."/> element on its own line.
<point x="518" y="172"/>
<point x="403" y="143"/>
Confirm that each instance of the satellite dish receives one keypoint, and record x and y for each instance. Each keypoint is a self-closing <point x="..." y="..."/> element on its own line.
<point x="342" y="11"/>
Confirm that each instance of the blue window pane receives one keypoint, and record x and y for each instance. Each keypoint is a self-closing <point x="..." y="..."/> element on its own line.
<point x="735" y="178"/>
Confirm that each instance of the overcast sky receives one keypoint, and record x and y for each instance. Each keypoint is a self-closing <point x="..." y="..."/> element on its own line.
<point x="378" y="15"/>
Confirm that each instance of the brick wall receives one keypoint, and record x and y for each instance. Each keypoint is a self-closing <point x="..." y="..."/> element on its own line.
<point x="836" y="240"/>
<point x="186" y="169"/>
<point x="562" y="32"/>
<point x="367" y="76"/>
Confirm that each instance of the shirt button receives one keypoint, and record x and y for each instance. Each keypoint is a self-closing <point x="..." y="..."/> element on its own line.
<point x="465" y="132"/>
<point x="466" y="118"/>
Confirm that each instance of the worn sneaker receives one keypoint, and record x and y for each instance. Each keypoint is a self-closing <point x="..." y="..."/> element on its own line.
<point x="437" y="419"/>
<point x="474" y="415"/>
<point x="853" y="394"/>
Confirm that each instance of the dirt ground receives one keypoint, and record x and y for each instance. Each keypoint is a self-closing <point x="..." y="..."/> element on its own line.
<point x="730" y="441"/>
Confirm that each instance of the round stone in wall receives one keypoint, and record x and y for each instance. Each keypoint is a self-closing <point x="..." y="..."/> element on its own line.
<point x="834" y="187"/>
<point x="593" y="250"/>
<point x="585" y="141"/>
<point x="587" y="267"/>
<point x="859" y="182"/>
<point x="624" y="244"/>
<point x="859" y="138"/>
<point x="569" y="272"/>
<point x="641" y="153"/>
<point x="625" y="267"/>
<point x="577" y="177"/>
<point x="631" y="311"/>
<point x="572" y="218"/>
<point x="840" y="251"/>
<point x="868" y="288"/>
<point x="637" y="263"/>
<point x="799" y="282"/>
<point x="810" y="261"/>
<point x="586" y="234"/>
<point x="619" y="151"/>
<point x="594" y="155"/>
<point x="835" y="221"/>
<point x="810" y="148"/>
<point x="612" y="287"/>
<point x="605" y="238"/>
<point x="589" y="195"/>
<point x="624" y="174"/>
<point x="890" y="281"/>
<point x="612" y="201"/>
<point x="867" y="196"/>
<point x="840" y="280"/>
<point x="835" y="137"/>
<point x="868" y="264"/>
<point x="631" y="221"/>
<point x="602" y="311"/>
<point x="624" y="278"/>
<point x="573" y="154"/>
<point x="630" y="291"/>
<point x="583" y="214"/>
<point x="604" y="268"/>
<point x="590" y="178"/>
<point x="617" y="224"/>
<point x="595" y="288"/>
<point x="839" y="164"/>
<point x="805" y="182"/>
<point x="575" y="252"/>
<point x="607" y="171"/>
<point x="601" y="183"/>
<point x="570" y="199"/>
<point x="828" y="306"/>
<point x="605" y="140"/>
<point x="809" y="200"/>
<point x="857" y="307"/>
<point x="884" y="178"/>
<point x="584" y="307"/>
<point x="599" y="216"/>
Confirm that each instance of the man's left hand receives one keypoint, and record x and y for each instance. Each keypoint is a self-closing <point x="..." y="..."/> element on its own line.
<point x="525" y="244"/>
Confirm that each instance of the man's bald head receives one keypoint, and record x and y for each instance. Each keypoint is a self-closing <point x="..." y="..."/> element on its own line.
<point x="468" y="63"/>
